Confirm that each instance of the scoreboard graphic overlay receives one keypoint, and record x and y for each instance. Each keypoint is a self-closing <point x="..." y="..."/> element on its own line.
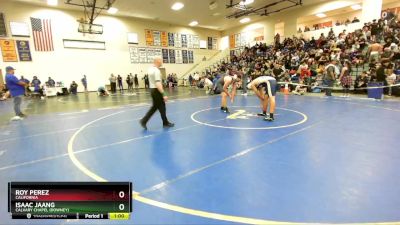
<point x="70" y="200"/>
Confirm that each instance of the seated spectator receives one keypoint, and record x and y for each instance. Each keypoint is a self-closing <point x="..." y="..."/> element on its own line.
<point x="338" y="23"/>
<point x="300" y="89"/>
<point x="51" y="82"/>
<point x="355" y="20"/>
<point x="4" y="93"/>
<point x="73" y="89"/>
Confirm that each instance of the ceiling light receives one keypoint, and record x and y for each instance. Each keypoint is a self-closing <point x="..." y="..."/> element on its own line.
<point x="245" y="20"/>
<point x="112" y="10"/>
<point x="320" y="15"/>
<point x="356" y="7"/>
<point x="177" y="6"/>
<point x="52" y="2"/>
<point x="246" y="2"/>
<point x="193" y="23"/>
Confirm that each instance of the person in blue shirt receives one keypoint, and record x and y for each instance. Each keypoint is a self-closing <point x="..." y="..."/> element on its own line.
<point x="17" y="90"/>
<point x="51" y="82"/>
<point x="36" y="84"/>
<point x="26" y="81"/>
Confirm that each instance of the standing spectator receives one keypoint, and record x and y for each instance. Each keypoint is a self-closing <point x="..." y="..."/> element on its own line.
<point x="84" y="82"/>
<point x="146" y="81"/>
<point x="51" y="82"/>
<point x="27" y="82"/>
<point x="73" y="88"/>
<point x="190" y="80"/>
<point x="120" y="86"/>
<point x="129" y="82"/>
<point x="36" y="84"/>
<point x="345" y="79"/>
<point x="136" y="80"/>
<point x="330" y="77"/>
<point x="355" y="20"/>
<point x="17" y="90"/>
<point x="113" y="83"/>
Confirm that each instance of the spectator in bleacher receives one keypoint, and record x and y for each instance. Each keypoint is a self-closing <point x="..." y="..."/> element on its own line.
<point x="361" y="81"/>
<point x="355" y="20"/>
<point x="338" y="23"/>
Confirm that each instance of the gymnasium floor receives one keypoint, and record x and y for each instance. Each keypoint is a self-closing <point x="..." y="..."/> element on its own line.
<point x="322" y="160"/>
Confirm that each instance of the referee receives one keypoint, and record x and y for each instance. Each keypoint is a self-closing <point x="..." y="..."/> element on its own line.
<point x="157" y="94"/>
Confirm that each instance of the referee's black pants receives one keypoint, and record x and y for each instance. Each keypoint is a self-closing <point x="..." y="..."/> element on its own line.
<point x="158" y="104"/>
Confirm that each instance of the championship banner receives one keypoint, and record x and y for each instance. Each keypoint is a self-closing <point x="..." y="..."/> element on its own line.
<point x="178" y="40"/>
<point x="178" y="56"/>
<point x="164" y="39"/>
<point x="158" y="52"/>
<point x="8" y="50"/>
<point x="237" y="40"/>
<point x="171" y="56"/>
<point x="184" y="41"/>
<point x="149" y="37"/>
<point x="150" y="55"/>
<point x="190" y="56"/>
<point x="142" y="55"/>
<point x="232" y="41"/>
<point x="165" y="55"/>
<point x="156" y="38"/>
<point x="209" y="43"/>
<point x="214" y="43"/>
<point x="171" y="39"/>
<point x="134" y="53"/>
<point x="24" y="51"/>
<point x="190" y="41"/>
<point x="3" y="30"/>
<point x="196" y="41"/>
<point x="185" y="56"/>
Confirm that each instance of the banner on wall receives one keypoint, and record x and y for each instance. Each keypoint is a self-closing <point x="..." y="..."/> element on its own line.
<point x="209" y="43"/>
<point x="165" y="55"/>
<point x="171" y="39"/>
<point x="3" y="30"/>
<point x="150" y="55"/>
<point x="158" y="53"/>
<point x="142" y="55"/>
<point x="156" y="38"/>
<point x="178" y="40"/>
<point x="149" y="37"/>
<point x="237" y="40"/>
<point x="196" y="41"/>
<point x="185" y="57"/>
<point x="190" y="41"/>
<point x="8" y="50"/>
<point x="172" y="56"/>
<point x="134" y="53"/>
<point x="178" y="57"/>
<point x="164" y="39"/>
<point x="190" y="56"/>
<point x="24" y="51"/>
<point x="214" y="43"/>
<point x="184" y="41"/>
<point x="232" y="41"/>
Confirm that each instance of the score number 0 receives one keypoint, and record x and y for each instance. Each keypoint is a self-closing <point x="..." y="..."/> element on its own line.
<point x="121" y="195"/>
